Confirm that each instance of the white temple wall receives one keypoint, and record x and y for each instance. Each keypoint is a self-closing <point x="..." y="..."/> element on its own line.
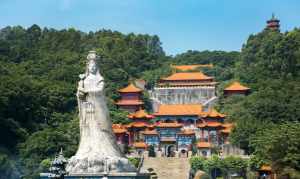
<point x="183" y="95"/>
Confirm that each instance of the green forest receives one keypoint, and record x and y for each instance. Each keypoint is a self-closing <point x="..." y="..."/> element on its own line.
<point x="39" y="70"/>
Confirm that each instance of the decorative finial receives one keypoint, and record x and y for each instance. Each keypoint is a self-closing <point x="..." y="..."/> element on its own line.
<point x="273" y="16"/>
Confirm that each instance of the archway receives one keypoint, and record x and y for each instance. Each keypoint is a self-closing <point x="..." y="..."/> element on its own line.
<point x="171" y="151"/>
<point x="183" y="153"/>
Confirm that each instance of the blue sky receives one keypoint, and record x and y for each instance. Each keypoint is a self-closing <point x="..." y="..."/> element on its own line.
<point x="181" y="24"/>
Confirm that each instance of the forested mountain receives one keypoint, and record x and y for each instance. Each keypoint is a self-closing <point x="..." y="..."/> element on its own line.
<point x="267" y="121"/>
<point x="38" y="77"/>
<point x="39" y="71"/>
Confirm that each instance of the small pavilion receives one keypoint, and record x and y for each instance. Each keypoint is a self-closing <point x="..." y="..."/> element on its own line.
<point x="236" y="89"/>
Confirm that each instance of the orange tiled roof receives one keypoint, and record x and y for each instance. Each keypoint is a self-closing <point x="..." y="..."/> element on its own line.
<point x="226" y="131"/>
<point x="201" y="125"/>
<point x="140" y="145"/>
<point x="227" y="125"/>
<point x="265" y="168"/>
<point x="187" y="132"/>
<point x="137" y="124"/>
<point x="169" y="125"/>
<point x="140" y="114"/>
<point x="189" y="84"/>
<point x="148" y="132"/>
<point x="130" y="89"/>
<point x="129" y="102"/>
<point x="119" y="128"/>
<point x="204" y="145"/>
<point x="187" y="76"/>
<point x="236" y="86"/>
<point x="190" y="67"/>
<point x="227" y="128"/>
<point x="213" y="114"/>
<point x="210" y="124"/>
<point x="119" y="131"/>
<point x="179" y="109"/>
<point x="151" y="126"/>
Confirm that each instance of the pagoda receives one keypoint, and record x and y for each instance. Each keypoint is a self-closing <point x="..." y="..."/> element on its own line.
<point x="210" y="124"/>
<point x="236" y="88"/>
<point x="130" y="98"/>
<point x="273" y="23"/>
<point x="140" y="122"/>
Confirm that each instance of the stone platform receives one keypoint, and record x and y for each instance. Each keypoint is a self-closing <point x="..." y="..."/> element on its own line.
<point x="125" y="175"/>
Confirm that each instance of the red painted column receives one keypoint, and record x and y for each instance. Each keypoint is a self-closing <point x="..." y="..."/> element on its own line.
<point x="129" y="139"/>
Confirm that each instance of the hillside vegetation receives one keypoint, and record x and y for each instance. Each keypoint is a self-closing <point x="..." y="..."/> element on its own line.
<point x="39" y="71"/>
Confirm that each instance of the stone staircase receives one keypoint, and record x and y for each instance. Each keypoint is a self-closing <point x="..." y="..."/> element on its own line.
<point x="168" y="168"/>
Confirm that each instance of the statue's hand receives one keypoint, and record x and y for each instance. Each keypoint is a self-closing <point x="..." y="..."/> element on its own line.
<point x="100" y="85"/>
<point x="81" y="93"/>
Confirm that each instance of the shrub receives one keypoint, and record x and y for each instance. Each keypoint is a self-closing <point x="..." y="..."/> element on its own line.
<point x="197" y="163"/>
<point x="134" y="161"/>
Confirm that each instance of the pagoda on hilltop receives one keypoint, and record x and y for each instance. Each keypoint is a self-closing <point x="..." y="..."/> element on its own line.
<point x="130" y="98"/>
<point x="273" y="23"/>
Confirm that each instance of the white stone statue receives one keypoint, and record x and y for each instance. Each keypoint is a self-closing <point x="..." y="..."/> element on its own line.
<point x="98" y="151"/>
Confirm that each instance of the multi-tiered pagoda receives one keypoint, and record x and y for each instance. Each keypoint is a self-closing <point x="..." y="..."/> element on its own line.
<point x="130" y="98"/>
<point x="273" y="23"/>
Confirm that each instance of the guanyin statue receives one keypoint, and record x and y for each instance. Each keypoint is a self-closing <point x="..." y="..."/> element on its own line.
<point x="98" y="151"/>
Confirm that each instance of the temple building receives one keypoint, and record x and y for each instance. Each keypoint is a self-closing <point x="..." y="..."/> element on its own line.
<point x="236" y="89"/>
<point x="273" y="23"/>
<point x="130" y="98"/>
<point x="183" y="118"/>
<point x="184" y="88"/>
<point x="173" y="130"/>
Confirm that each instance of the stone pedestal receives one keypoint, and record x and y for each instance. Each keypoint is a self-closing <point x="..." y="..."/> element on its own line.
<point x="111" y="176"/>
<point x="123" y="175"/>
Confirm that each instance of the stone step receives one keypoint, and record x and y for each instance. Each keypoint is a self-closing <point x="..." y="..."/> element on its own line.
<point x="168" y="168"/>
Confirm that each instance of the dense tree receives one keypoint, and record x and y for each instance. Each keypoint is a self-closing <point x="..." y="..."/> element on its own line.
<point x="269" y="64"/>
<point x="279" y="144"/>
<point x="216" y="166"/>
<point x="38" y="75"/>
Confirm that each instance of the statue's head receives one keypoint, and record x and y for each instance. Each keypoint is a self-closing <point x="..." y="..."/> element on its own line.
<point x="92" y="67"/>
